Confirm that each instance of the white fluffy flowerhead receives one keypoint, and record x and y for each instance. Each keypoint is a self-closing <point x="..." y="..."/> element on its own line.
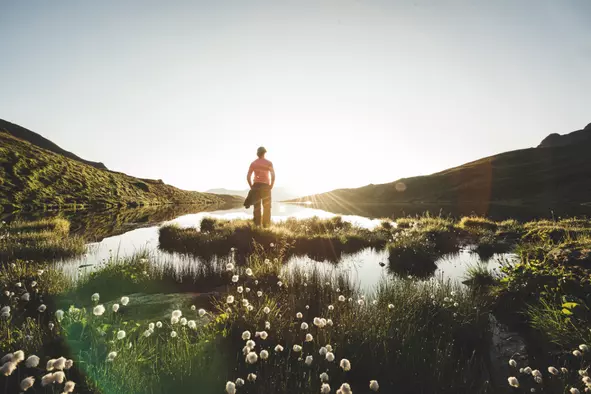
<point x="111" y="356"/>
<point x="173" y="334"/>
<point x="251" y="377"/>
<point x="59" y="315"/>
<point x="259" y="293"/>
<point x="249" y="272"/>
<point x="59" y="377"/>
<point x="239" y="382"/>
<point x="266" y="310"/>
<point x="124" y="301"/>
<point x="42" y="308"/>
<point x="513" y="363"/>
<point x="345" y="365"/>
<point x="324" y="377"/>
<point x="278" y="348"/>
<point x="47" y="379"/>
<point x="32" y="361"/>
<point x="27" y="383"/>
<point x="98" y="310"/>
<point x="230" y="299"/>
<point x="183" y="321"/>
<point x="174" y="320"/>
<point x="201" y="312"/>
<point x="553" y="370"/>
<point x="191" y="324"/>
<point x="69" y="387"/>
<point x="234" y="278"/>
<point x="584" y="348"/>
<point x="513" y="382"/>
<point x="299" y="315"/>
<point x="304" y="326"/>
<point x="59" y="363"/>
<point x="246" y="335"/>
<point x="263" y="335"/>
<point x="95" y="297"/>
<point x="177" y="313"/>
<point x="373" y="385"/>
<point x="264" y="354"/>
<point x="309" y="360"/>
<point x="230" y="388"/>
<point x="345" y="389"/>
<point x="330" y="357"/>
<point x="317" y="321"/>
<point x="252" y="357"/>
<point x="8" y="368"/>
<point x="325" y="388"/>
<point x="309" y="338"/>
<point x="115" y="307"/>
<point x="251" y="344"/>
<point x="342" y="298"/>
<point x="159" y="324"/>
<point x="330" y="307"/>
<point x="297" y="348"/>
<point x="240" y="289"/>
<point x="120" y="334"/>
<point x="18" y="356"/>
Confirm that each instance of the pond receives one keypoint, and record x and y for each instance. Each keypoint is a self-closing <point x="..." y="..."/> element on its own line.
<point x="366" y="267"/>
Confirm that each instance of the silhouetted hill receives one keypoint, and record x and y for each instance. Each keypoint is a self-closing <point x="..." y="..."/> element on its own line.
<point x="32" y="177"/>
<point x="582" y="136"/>
<point x="42" y="142"/>
<point x="278" y="194"/>
<point x="543" y="177"/>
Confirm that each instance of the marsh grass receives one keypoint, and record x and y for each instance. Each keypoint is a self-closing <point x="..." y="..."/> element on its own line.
<point x="41" y="240"/>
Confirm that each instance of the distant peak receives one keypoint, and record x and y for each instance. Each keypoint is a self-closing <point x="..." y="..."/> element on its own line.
<point x="576" y="137"/>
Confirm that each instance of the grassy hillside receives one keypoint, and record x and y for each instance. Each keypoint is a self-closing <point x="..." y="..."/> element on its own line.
<point x="542" y="177"/>
<point x="42" y="142"/>
<point x="32" y="177"/>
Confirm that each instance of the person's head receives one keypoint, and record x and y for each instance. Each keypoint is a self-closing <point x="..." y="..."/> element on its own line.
<point x="261" y="151"/>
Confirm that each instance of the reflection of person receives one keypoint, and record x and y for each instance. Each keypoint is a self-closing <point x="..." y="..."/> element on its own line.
<point x="260" y="188"/>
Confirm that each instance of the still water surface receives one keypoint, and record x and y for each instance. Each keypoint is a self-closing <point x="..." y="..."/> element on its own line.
<point x="363" y="267"/>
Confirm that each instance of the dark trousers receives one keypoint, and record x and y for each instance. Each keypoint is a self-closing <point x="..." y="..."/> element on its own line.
<point x="262" y="198"/>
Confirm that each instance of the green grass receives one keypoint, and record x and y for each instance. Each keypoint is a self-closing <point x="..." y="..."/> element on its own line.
<point x="33" y="178"/>
<point x="41" y="240"/>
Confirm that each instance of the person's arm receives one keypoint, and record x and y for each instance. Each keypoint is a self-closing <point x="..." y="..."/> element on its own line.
<point x="272" y="170"/>
<point x="249" y="176"/>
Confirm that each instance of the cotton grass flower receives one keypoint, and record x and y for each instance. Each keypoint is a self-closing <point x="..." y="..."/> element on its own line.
<point x="264" y="355"/>
<point x="49" y="365"/>
<point x="251" y="344"/>
<point x="235" y="278"/>
<point x="245" y="302"/>
<point x="230" y="299"/>
<point x="330" y="307"/>
<point x="27" y="383"/>
<point x="249" y="272"/>
<point x="69" y="387"/>
<point x="173" y="334"/>
<point x="239" y="289"/>
<point x="325" y="388"/>
<point x="513" y="363"/>
<point x="147" y="333"/>
<point x="42" y="308"/>
<point x="324" y="377"/>
<point x="183" y="321"/>
<point x="574" y="390"/>
<point x="177" y="313"/>
<point x="251" y="377"/>
<point x="582" y="372"/>
<point x="59" y="377"/>
<point x="259" y="293"/>
<point x="330" y="357"/>
<point x="266" y="310"/>
<point x="342" y="298"/>
<point x="95" y="297"/>
<point x="111" y="356"/>
<point x="553" y="371"/>
<point x="577" y="353"/>
<point x="98" y="310"/>
<point x="299" y="315"/>
<point x="124" y="301"/>
<point x="252" y="357"/>
<point x="513" y="382"/>
<point x="47" y="379"/>
<point x="120" y="334"/>
<point x="527" y="370"/>
<point x="191" y="324"/>
<point x="18" y="356"/>
<point x="229" y="267"/>
<point x="159" y="324"/>
<point x="32" y="361"/>
<point x="230" y="388"/>
<point x="115" y="307"/>
<point x="309" y="360"/>
<point x="201" y="312"/>
<point x="239" y="382"/>
<point x="7" y="368"/>
<point x="69" y="364"/>
<point x="373" y="385"/>
<point x="304" y="326"/>
<point x="584" y="348"/>
<point x="246" y="335"/>
<point x="59" y="363"/>
<point x="345" y="365"/>
<point x="174" y="320"/>
<point x="345" y="389"/>
<point x="267" y="326"/>
<point x="26" y="297"/>
<point x="309" y="338"/>
<point x="278" y="349"/>
<point x="264" y="335"/>
<point x="322" y="351"/>
<point x="59" y="315"/>
<point x="297" y="348"/>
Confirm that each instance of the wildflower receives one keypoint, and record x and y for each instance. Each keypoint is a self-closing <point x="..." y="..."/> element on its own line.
<point x="304" y="326"/>
<point x="147" y="333"/>
<point x="264" y="354"/>
<point x="574" y="390"/>
<point x="173" y="334"/>
<point x="27" y="383"/>
<point x="234" y="278"/>
<point x="249" y="272"/>
<point x="251" y="344"/>
<point x="256" y="282"/>
<point x="373" y="385"/>
<point x="250" y="308"/>
<point x="7" y="368"/>
<point x="177" y="313"/>
<point x="322" y="351"/>
<point x="536" y="373"/>
<point x="40" y="272"/>
<point x="115" y="307"/>
<point x="360" y="302"/>
<point x="577" y="353"/>
<point x="246" y="350"/>
<point x="239" y="382"/>
<point x="124" y="301"/>
<point x="229" y="267"/>
<point x="98" y="310"/>
<point x="309" y="360"/>
<point x="252" y="357"/>
<point x="159" y="324"/>
<point x="513" y="382"/>
<point x="266" y="310"/>
<point x="69" y="387"/>
<point x="563" y="370"/>
<point x="251" y="377"/>
<point x="345" y="388"/>
<point x="230" y="388"/>
<point x="329" y="322"/>
<point x="307" y="306"/>
<point x="264" y="335"/>
<point x="47" y="379"/>
<point x="374" y="302"/>
<point x="309" y="338"/>
<point x="584" y="348"/>
<point x="272" y="245"/>
<point x="246" y="335"/>
<point x="267" y="326"/>
<point x="230" y="299"/>
<point x="50" y="325"/>
<point x="278" y="348"/>
<point x="280" y="283"/>
<point x="553" y="370"/>
<point x="18" y="356"/>
<point x="69" y="364"/>
<point x="345" y="365"/>
<point x="513" y="363"/>
<point x="120" y="334"/>
<point x="111" y="356"/>
<point x="32" y="361"/>
<point x="297" y="348"/>
<point x="19" y="284"/>
<point x="322" y="323"/>
<point x="245" y="302"/>
<point x="329" y="357"/>
<point x="26" y="297"/>
<point x="174" y="320"/>
<point x="317" y="321"/>
<point x="59" y="377"/>
<point x="193" y="307"/>
<point x="330" y="307"/>
<point x="342" y="298"/>
<point x="259" y="293"/>
<point x="240" y="289"/>
<point x="582" y="372"/>
<point x="587" y="380"/>
<point x="299" y="315"/>
<point x="183" y="321"/>
<point x="49" y="365"/>
<point x="95" y="297"/>
<point x="527" y="370"/>
<point x="59" y="314"/>
<point x="42" y="308"/>
<point x="390" y="306"/>
<point x="325" y="388"/>
<point x="324" y="377"/>
<point x="59" y="363"/>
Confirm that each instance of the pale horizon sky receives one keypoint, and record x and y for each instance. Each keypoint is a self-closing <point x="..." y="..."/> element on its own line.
<point x="341" y="93"/>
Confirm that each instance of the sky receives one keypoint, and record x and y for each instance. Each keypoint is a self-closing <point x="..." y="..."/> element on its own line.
<point x="341" y="93"/>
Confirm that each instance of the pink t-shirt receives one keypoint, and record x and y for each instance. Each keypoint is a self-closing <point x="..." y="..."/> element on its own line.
<point x="261" y="168"/>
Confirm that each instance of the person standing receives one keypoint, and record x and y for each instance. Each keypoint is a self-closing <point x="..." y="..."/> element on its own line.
<point x="260" y="188"/>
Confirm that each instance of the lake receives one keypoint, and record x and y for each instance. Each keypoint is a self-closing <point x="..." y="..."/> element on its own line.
<point x="122" y="233"/>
